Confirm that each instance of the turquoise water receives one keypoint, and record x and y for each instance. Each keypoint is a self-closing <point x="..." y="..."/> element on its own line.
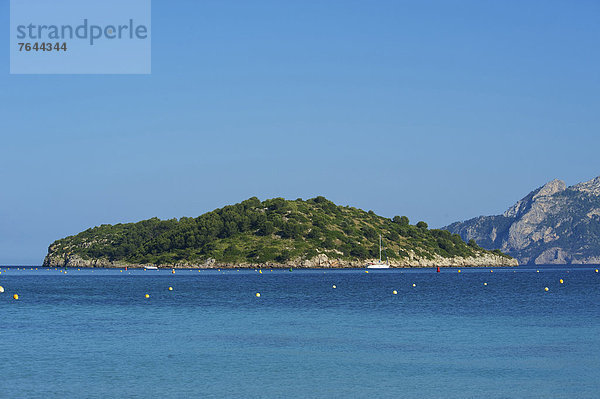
<point x="94" y="334"/>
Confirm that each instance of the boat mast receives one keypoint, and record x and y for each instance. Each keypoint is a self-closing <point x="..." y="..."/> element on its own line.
<point x="379" y="248"/>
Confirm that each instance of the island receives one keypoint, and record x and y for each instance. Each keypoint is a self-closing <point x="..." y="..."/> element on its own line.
<point x="314" y="233"/>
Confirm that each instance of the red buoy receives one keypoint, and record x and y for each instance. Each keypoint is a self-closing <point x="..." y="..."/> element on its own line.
<point x="438" y="270"/>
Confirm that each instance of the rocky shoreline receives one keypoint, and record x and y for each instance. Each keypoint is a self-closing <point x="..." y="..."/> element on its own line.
<point x="319" y="261"/>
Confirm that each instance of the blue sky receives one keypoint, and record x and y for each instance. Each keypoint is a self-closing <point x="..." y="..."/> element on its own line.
<point x="438" y="110"/>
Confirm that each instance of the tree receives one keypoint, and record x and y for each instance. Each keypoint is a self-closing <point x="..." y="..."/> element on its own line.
<point x="292" y="229"/>
<point x="401" y="220"/>
<point x="231" y="253"/>
<point x="369" y="232"/>
<point x="393" y="236"/>
<point x="265" y="228"/>
<point x="283" y="256"/>
<point x="422" y="225"/>
<point x="359" y="252"/>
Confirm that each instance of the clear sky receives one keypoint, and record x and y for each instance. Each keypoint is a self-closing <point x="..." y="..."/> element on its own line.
<point x="438" y="110"/>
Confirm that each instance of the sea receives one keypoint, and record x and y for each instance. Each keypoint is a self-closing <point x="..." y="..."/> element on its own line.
<point x="319" y="333"/>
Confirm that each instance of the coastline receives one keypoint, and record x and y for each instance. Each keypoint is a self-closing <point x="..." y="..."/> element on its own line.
<point x="318" y="262"/>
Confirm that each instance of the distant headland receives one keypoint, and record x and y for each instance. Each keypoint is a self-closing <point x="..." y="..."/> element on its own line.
<point x="274" y="233"/>
<point x="553" y="224"/>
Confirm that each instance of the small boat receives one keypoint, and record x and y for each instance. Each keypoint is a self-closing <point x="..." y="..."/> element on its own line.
<point x="151" y="267"/>
<point x="380" y="264"/>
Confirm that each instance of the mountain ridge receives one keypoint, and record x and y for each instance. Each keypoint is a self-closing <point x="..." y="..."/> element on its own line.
<point x="553" y="224"/>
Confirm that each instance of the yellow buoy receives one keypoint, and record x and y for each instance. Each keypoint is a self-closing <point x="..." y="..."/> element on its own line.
<point x="459" y="270"/>
<point x="484" y="283"/>
<point x="491" y="271"/>
<point x="366" y="271"/>
<point x="260" y="271"/>
<point x="561" y="281"/>
<point x="15" y="296"/>
<point x="258" y="294"/>
<point x="173" y="271"/>
<point x="1" y="289"/>
<point x="537" y="271"/>
<point x="546" y="289"/>
<point x="147" y="296"/>
<point x="414" y="285"/>
<point x="395" y="292"/>
<point x="333" y="286"/>
<point x="170" y="288"/>
<point x="596" y="270"/>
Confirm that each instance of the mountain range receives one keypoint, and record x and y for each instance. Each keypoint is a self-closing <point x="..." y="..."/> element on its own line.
<point x="553" y="224"/>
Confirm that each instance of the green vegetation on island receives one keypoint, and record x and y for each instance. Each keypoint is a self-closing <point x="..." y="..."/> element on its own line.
<point x="272" y="231"/>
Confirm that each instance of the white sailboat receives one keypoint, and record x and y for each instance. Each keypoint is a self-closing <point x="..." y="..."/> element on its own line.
<point x="380" y="264"/>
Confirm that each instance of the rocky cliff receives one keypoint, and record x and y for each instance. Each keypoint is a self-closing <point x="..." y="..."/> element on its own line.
<point x="554" y="224"/>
